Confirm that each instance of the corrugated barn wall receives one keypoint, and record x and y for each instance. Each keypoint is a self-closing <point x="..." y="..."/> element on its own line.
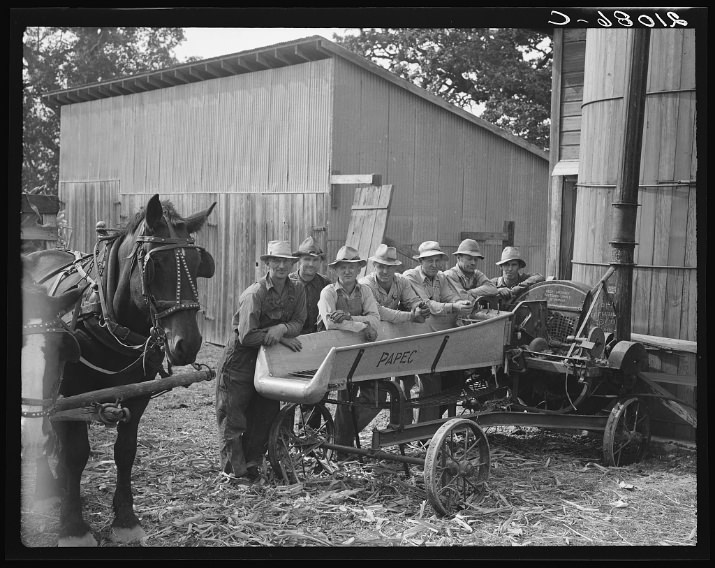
<point x="450" y="175"/>
<point x="257" y="143"/>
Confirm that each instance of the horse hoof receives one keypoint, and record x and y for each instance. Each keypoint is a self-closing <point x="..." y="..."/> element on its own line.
<point x="125" y="535"/>
<point x="87" y="540"/>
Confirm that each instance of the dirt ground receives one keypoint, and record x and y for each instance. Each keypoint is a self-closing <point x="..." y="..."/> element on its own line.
<point x="545" y="489"/>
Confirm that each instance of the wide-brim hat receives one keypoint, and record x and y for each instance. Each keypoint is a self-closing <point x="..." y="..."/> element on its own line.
<point x="309" y="248"/>
<point x="509" y="254"/>
<point x="348" y="254"/>
<point x="279" y="249"/>
<point x="469" y="247"/>
<point x="385" y="255"/>
<point x="429" y="248"/>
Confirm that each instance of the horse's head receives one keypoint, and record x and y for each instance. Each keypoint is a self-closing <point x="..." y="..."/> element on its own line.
<point x="47" y="344"/>
<point x="159" y="265"/>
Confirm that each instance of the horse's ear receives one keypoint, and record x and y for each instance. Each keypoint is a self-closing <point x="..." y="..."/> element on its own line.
<point x="154" y="211"/>
<point x="197" y="220"/>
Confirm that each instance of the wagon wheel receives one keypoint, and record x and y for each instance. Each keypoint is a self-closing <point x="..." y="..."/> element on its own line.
<point x="627" y="432"/>
<point x="295" y="441"/>
<point x="456" y="465"/>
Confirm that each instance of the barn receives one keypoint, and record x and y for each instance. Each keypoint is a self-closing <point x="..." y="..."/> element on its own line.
<point x="589" y="77"/>
<point x="280" y="137"/>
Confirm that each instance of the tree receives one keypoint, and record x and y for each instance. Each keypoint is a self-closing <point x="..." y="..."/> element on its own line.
<point x="56" y="58"/>
<point x="501" y="74"/>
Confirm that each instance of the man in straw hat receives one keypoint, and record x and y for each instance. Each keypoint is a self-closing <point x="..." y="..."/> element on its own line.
<point x="513" y="282"/>
<point x="349" y="306"/>
<point x="270" y="311"/>
<point x="310" y="257"/>
<point x="397" y="302"/>
<point x="445" y="305"/>
<point x="469" y="282"/>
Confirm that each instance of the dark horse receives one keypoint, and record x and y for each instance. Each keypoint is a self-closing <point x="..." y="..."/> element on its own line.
<point x="140" y="306"/>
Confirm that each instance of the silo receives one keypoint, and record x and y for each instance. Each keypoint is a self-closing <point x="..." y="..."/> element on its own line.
<point x="664" y="276"/>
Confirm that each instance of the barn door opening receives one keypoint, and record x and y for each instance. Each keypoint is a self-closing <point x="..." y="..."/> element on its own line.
<point x="568" y="216"/>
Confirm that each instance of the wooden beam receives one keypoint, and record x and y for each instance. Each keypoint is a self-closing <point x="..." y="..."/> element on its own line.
<point x="666" y="343"/>
<point x="361" y="179"/>
<point x="683" y="412"/>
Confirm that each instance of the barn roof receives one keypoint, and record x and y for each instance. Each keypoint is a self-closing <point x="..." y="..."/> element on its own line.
<point x="293" y="52"/>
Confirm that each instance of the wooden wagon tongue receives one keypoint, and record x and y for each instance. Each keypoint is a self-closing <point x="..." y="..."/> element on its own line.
<point x="408" y="348"/>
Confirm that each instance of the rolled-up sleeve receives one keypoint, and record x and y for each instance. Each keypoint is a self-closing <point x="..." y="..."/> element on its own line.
<point x="249" y="314"/>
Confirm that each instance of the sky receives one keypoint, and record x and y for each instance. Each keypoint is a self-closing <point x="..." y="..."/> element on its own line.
<point x="213" y="42"/>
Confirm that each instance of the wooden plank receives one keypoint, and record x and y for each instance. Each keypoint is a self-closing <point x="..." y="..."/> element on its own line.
<point x="360" y="179"/>
<point x="368" y="219"/>
<point x="685" y="413"/>
<point x="666" y="343"/>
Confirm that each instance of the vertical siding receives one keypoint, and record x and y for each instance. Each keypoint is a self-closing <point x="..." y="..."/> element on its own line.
<point x="449" y="175"/>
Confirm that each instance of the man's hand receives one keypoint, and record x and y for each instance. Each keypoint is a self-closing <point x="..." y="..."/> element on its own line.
<point x="339" y="316"/>
<point x="504" y="293"/>
<point x="370" y="333"/>
<point x="464" y="307"/>
<point x="274" y="334"/>
<point x="292" y="342"/>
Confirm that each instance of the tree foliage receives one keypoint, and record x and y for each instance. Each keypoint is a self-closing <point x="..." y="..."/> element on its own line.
<point x="56" y="58"/>
<point x="501" y="74"/>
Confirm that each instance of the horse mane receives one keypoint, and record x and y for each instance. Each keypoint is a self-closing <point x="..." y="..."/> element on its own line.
<point x="169" y="212"/>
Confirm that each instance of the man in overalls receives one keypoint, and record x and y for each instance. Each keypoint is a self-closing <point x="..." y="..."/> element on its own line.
<point x="270" y="311"/>
<point x="350" y="306"/>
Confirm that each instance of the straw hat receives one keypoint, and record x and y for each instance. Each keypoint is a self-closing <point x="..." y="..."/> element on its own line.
<point x="429" y="248"/>
<point x="385" y="255"/>
<point x="278" y="249"/>
<point x="348" y="254"/>
<point x="470" y="247"/>
<point x="511" y="253"/>
<point x="309" y="248"/>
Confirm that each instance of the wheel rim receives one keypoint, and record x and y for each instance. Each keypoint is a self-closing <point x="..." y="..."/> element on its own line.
<point x="295" y="442"/>
<point x="627" y="433"/>
<point x="457" y="465"/>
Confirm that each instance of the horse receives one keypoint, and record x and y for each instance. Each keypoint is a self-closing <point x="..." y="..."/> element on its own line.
<point x="47" y="345"/>
<point x="139" y="308"/>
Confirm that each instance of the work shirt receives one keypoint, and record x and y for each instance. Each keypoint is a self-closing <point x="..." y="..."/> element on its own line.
<point x="312" y="295"/>
<point x="520" y="284"/>
<point x="438" y="294"/>
<point x="360" y="304"/>
<point x="261" y="306"/>
<point x="470" y="286"/>
<point x="390" y="301"/>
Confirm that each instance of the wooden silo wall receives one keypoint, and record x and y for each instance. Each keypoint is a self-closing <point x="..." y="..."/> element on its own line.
<point x="664" y="284"/>
<point x="449" y="175"/>
<point x="258" y="144"/>
<point x="664" y="278"/>
<point x="572" y="70"/>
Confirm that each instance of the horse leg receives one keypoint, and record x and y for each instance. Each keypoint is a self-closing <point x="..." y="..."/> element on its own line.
<point x="48" y="491"/>
<point x="126" y="527"/>
<point x="74" y="453"/>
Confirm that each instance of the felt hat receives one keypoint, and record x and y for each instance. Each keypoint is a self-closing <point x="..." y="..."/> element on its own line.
<point x="511" y="253"/>
<point x="309" y="248"/>
<point x="279" y="249"/>
<point x="385" y="255"/>
<point x="347" y="254"/>
<point x="470" y="247"/>
<point x="429" y="248"/>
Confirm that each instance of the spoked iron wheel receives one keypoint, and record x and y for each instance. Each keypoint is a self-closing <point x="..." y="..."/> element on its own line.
<point x="295" y="442"/>
<point x="456" y="465"/>
<point x="627" y="432"/>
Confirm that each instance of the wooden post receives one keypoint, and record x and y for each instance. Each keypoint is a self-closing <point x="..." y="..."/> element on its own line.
<point x="626" y="206"/>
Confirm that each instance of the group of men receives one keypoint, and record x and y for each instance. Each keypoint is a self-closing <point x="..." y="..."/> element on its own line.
<point x="284" y="305"/>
